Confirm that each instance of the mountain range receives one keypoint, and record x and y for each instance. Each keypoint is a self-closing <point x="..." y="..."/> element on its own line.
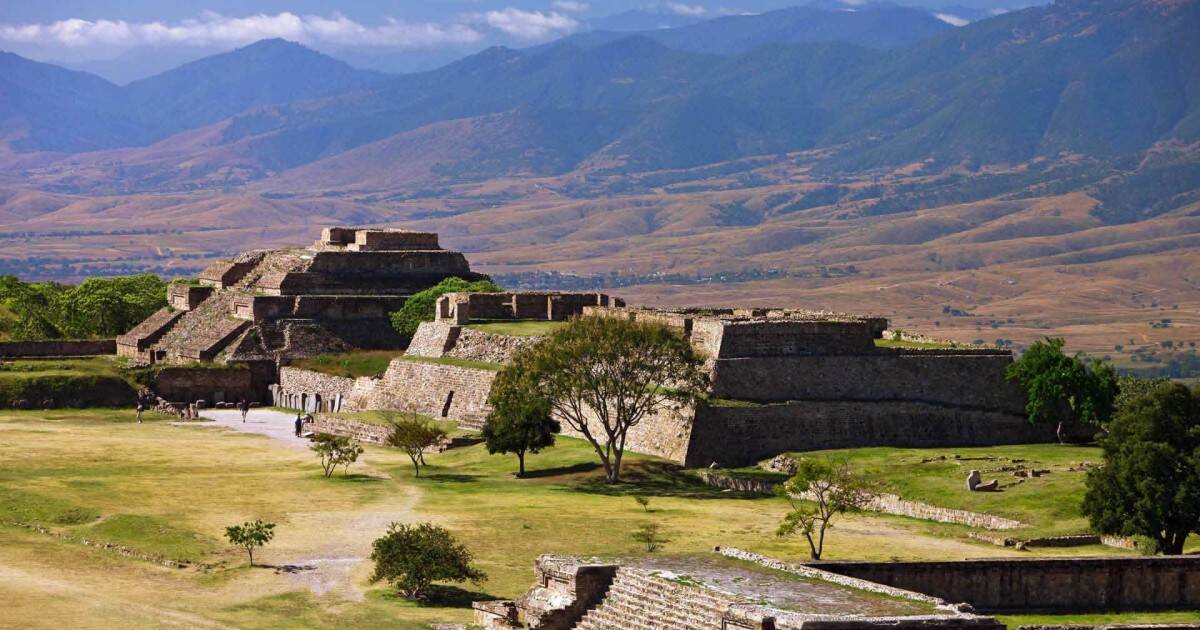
<point x="864" y="145"/>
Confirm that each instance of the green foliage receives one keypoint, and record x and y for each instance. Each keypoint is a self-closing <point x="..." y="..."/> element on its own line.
<point x="95" y="382"/>
<point x="334" y="451"/>
<point x="644" y="502"/>
<point x="250" y="535"/>
<point x="520" y="420"/>
<point x="99" y="307"/>
<point x="1150" y="482"/>
<point x="412" y="557"/>
<point x="1133" y="388"/>
<point x="1064" y="389"/>
<point x="350" y="364"/>
<point x="828" y="487"/>
<point x="420" y="306"/>
<point x="413" y="434"/>
<point x="614" y="370"/>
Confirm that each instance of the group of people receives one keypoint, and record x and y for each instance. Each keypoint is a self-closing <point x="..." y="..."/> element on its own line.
<point x="244" y="407"/>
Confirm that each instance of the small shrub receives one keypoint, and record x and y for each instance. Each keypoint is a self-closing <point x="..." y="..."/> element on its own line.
<point x="649" y="535"/>
<point x="335" y="451"/>
<point x="250" y="535"/>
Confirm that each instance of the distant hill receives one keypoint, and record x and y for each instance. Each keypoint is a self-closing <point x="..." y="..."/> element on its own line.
<point x="46" y="108"/>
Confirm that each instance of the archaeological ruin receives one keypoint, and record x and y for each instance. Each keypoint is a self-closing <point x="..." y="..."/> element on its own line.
<point x="781" y="379"/>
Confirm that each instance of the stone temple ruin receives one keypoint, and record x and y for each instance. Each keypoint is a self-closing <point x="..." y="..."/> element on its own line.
<point x="264" y="308"/>
<point x="781" y="379"/>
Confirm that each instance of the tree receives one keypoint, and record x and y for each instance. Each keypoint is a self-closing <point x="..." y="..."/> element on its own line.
<point x="412" y="557"/>
<point x="821" y="489"/>
<point x="1149" y="484"/>
<point x="420" y="306"/>
<point x="413" y="434"/>
<point x="520" y="420"/>
<point x="604" y="375"/>
<point x="1064" y="389"/>
<point x="644" y="502"/>
<point x="250" y="535"/>
<point x="335" y="451"/>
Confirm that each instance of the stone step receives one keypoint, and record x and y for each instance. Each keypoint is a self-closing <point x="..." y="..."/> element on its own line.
<point x="641" y="601"/>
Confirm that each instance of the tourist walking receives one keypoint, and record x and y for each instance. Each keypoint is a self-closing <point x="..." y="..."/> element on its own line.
<point x="299" y="424"/>
<point x="244" y="407"/>
<point x="140" y="409"/>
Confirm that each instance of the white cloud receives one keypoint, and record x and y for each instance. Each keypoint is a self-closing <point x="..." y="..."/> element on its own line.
<point x="998" y="11"/>
<point x="216" y="29"/>
<point x="694" y="10"/>
<point x="952" y="20"/>
<point x="571" y="6"/>
<point x="528" y="24"/>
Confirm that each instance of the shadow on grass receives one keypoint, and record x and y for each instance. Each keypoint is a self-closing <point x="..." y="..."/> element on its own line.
<point x="441" y="596"/>
<point x="663" y="479"/>
<point x="450" y="477"/>
<point x="573" y="469"/>
<point x="358" y="478"/>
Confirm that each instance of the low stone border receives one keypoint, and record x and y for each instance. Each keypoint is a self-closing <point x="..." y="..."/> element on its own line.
<point x="1070" y="540"/>
<point x="885" y="503"/>
<point x="836" y="578"/>
<point x="120" y="550"/>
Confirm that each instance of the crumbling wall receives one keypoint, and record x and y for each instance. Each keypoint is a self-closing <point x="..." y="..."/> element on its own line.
<point x="436" y="390"/>
<point x="311" y="390"/>
<point x="433" y="339"/>
<point x="481" y="346"/>
<point x="1043" y="584"/>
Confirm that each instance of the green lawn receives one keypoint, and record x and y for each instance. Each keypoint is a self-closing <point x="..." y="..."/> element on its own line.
<point x="517" y="328"/>
<point x="170" y="491"/>
<point x="467" y="363"/>
<point x="95" y="381"/>
<point x="1048" y="504"/>
<point x="350" y="364"/>
<point x="1156" y="617"/>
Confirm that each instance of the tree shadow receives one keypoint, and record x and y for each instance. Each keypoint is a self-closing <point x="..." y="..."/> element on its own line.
<point x="442" y="596"/>
<point x="573" y="469"/>
<point x="664" y="479"/>
<point x="450" y="477"/>
<point x="358" y="478"/>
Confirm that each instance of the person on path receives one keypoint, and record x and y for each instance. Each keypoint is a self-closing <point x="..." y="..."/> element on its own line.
<point x="244" y="407"/>
<point x="299" y="424"/>
<point x="140" y="409"/>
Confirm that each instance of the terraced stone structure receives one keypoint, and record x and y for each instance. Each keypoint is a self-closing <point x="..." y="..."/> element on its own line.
<point x="269" y="307"/>
<point x="703" y="593"/>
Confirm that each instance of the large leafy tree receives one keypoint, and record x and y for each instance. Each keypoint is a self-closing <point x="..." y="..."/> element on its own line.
<point x="1150" y="482"/>
<point x="1064" y="389"/>
<point x="99" y="307"/>
<point x="520" y="421"/>
<point x="420" y="306"/>
<point x="413" y="557"/>
<point x="604" y="375"/>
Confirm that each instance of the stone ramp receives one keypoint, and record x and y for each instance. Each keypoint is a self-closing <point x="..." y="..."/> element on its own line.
<point x="642" y="601"/>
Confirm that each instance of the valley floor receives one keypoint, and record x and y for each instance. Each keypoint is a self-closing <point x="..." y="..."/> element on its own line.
<point x="162" y="493"/>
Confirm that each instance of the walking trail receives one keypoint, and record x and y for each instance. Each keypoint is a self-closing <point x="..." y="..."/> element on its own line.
<point x="337" y="564"/>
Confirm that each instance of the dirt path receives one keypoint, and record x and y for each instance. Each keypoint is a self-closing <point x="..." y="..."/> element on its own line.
<point x="337" y="547"/>
<point x="276" y="424"/>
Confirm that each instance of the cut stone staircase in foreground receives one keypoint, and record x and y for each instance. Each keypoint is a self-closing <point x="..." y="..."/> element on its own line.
<point x="642" y="601"/>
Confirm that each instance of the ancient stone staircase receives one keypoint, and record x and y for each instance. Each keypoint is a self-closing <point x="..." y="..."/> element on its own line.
<point x="641" y="601"/>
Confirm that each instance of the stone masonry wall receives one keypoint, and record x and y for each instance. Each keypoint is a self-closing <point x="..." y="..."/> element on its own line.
<point x="433" y="339"/>
<point x="212" y="385"/>
<point x="965" y="380"/>
<point x="481" y="346"/>
<point x="360" y="431"/>
<point x="665" y="433"/>
<point x="440" y="391"/>
<point x="735" y="436"/>
<point x="57" y="348"/>
<point x="302" y="389"/>
<point x="1066" y="584"/>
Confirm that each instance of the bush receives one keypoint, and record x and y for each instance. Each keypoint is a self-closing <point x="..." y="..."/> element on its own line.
<point x="420" y="306"/>
<point x="412" y="557"/>
<point x="99" y="307"/>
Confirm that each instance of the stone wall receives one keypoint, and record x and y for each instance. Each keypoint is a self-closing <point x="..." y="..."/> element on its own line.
<point x="210" y="384"/>
<point x="312" y="391"/>
<point x="665" y="433"/>
<point x="960" y="379"/>
<point x="481" y="346"/>
<point x="735" y="436"/>
<point x="56" y="348"/>
<point x="734" y="339"/>
<point x="439" y="391"/>
<point x="361" y="431"/>
<point x="1049" y="584"/>
<point x="433" y="339"/>
<point x="885" y="503"/>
